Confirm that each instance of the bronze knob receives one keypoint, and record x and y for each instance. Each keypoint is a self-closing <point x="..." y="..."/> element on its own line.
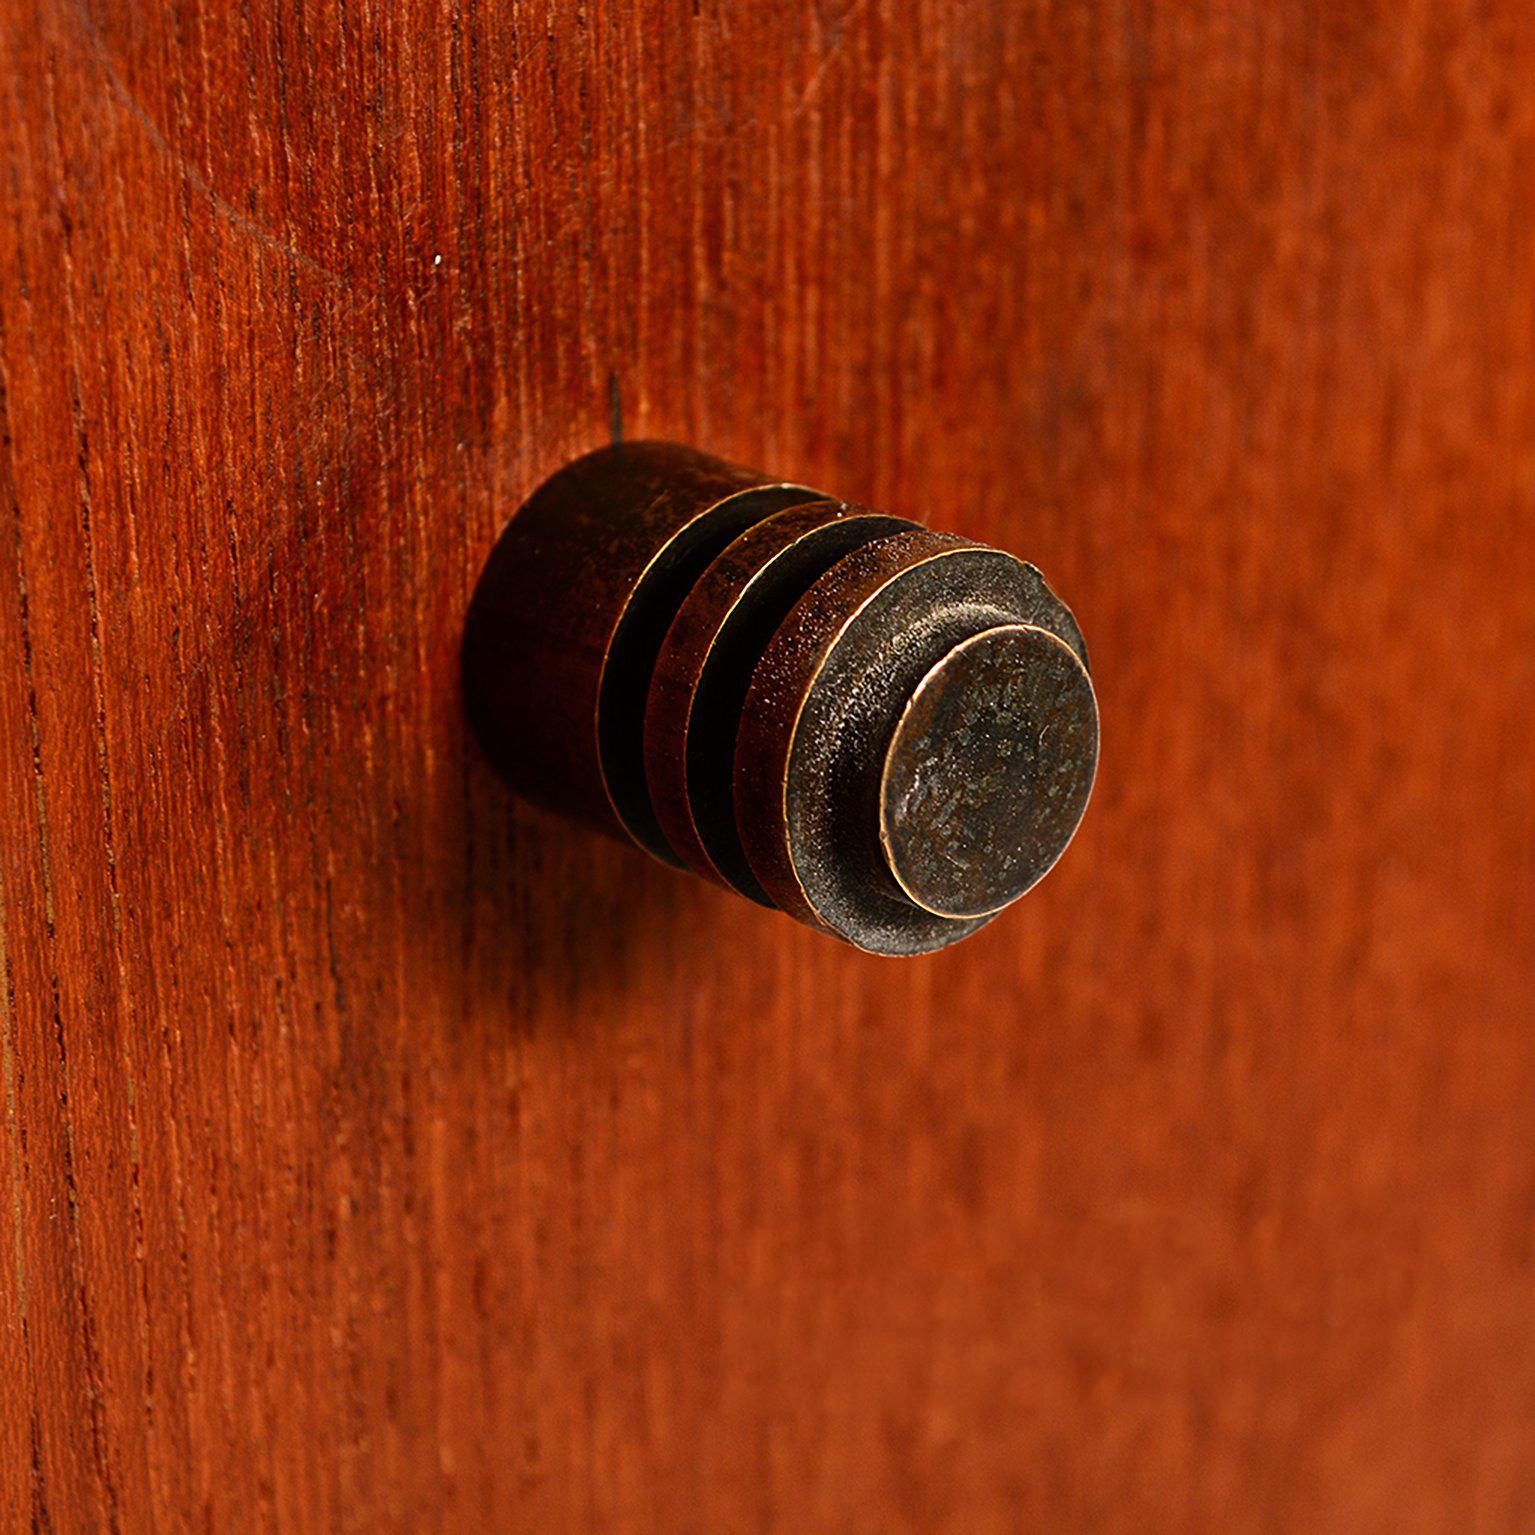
<point x="887" y="732"/>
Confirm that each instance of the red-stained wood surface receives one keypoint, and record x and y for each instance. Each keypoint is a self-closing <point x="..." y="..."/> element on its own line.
<point x="379" y="1155"/>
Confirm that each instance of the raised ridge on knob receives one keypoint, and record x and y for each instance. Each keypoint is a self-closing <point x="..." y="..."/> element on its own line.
<point x="572" y="606"/>
<point x="887" y="732"/>
<point x="703" y="673"/>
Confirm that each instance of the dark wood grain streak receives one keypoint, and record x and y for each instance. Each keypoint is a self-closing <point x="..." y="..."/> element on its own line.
<point x="379" y="1155"/>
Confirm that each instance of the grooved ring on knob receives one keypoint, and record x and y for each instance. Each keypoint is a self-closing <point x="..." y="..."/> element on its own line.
<point x="636" y="641"/>
<point x="571" y="606"/>
<point x="705" y="668"/>
<point x="988" y="771"/>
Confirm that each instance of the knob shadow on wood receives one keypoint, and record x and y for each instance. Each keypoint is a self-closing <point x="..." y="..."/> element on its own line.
<point x="887" y="732"/>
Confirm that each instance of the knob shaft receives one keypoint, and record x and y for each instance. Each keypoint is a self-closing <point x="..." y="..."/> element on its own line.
<point x="887" y="732"/>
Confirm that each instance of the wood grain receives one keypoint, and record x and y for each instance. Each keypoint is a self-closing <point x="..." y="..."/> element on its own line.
<point x="381" y="1156"/>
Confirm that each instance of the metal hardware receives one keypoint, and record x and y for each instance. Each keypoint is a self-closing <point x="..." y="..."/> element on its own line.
<point x="888" y="733"/>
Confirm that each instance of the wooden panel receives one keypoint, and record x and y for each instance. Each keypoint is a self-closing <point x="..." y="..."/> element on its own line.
<point x="381" y="1156"/>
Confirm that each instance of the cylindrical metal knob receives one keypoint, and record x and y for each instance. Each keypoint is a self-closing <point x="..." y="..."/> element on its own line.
<point x="887" y="732"/>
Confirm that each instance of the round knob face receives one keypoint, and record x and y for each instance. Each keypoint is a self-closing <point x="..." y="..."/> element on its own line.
<point x="988" y="771"/>
<point x="839" y="684"/>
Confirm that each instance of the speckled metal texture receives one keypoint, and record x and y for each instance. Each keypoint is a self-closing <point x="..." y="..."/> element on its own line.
<point x="988" y="771"/>
<point x="820" y="717"/>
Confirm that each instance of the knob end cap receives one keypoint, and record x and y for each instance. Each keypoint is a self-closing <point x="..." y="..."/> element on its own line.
<point x="988" y="771"/>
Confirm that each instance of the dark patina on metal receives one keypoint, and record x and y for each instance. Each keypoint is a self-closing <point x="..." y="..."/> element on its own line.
<point x="988" y="771"/>
<point x="888" y="733"/>
<point x="572" y="608"/>
<point x="701" y="679"/>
